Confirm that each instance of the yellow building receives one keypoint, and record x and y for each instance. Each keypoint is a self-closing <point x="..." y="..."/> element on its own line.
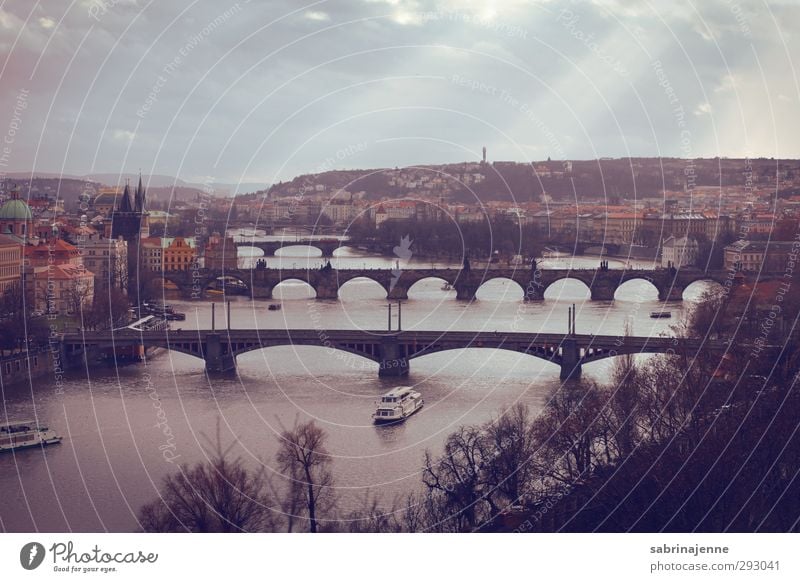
<point x="179" y="254"/>
<point x="167" y="253"/>
<point x="10" y="262"/>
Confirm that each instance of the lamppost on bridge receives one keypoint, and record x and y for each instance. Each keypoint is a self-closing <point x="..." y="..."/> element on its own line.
<point x="571" y="320"/>
<point x="399" y="316"/>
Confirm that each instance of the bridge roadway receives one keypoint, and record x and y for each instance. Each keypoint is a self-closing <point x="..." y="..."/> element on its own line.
<point x="391" y="350"/>
<point x="602" y="283"/>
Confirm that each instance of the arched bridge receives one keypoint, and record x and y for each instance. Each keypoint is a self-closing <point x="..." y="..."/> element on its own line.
<point x="391" y="350"/>
<point x="327" y="245"/>
<point x="326" y="282"/>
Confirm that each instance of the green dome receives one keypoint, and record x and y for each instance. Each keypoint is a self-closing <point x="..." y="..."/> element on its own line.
<point x="15" y="210"/>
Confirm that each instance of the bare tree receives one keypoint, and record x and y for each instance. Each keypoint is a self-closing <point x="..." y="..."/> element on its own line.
<point x="458" y="480"/>
<point x="220" y="496"/>
<point x="305" y="462"/>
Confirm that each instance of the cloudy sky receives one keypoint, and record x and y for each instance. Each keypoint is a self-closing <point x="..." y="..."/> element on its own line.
<point x="263" y="90"/>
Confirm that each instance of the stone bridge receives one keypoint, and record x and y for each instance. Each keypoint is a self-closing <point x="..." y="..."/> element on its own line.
<point x="327" y="246"/>
<point x="392" y="351"/>
<point x="602" y="283"/>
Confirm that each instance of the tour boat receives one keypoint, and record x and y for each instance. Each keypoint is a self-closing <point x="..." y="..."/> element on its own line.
<point x="397" y="405"/>
<point x="660" y="314"/>
<point x="25" y="433"/>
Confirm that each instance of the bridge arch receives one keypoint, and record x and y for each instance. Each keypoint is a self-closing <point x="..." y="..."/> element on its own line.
<point x="431" y="287"/>
<point x="370" y="288"/>
<point x="637" y="288"/>
<point x="339" y="351"/>
<point x="696" y="288"/>
<point x="294" y="288"/>
<point x="337" y="251"/>
<point x="500" y="288"/>
<point x="569" y="288"/>
<point x="163" y="282"/>
<point x="227" y="284"/>
<point x="293" y="250"/>
<point x="550" y="356"/>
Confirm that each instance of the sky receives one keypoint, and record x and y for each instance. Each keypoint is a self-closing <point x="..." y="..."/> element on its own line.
<point x="264" y="90"/>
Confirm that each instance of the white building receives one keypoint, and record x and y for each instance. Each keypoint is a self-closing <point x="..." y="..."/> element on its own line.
<point x="679" y="252"/>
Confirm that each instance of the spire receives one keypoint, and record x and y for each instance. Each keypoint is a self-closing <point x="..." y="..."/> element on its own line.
<point x="125" y="203"/>
<point x="140" y="195"/>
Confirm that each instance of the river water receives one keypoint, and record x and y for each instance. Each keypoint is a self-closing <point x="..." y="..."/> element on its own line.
<point x="115" y="452"/>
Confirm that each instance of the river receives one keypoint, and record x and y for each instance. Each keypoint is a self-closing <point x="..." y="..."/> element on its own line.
<point x="113" y="456"/>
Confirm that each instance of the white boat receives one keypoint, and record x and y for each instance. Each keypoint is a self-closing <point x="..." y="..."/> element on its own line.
<point x="397" y="405"/>
<point x="447" y="287"/>
<point x="25" y="433"/>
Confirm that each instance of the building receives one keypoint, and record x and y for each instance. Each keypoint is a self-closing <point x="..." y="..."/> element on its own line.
<point x="52" y="252"/>
<point x="129" y="220"/>
<point x="107" y="258"/>
<point x="167" y="254"/>
<point x="15" y="216"/>
<point x="178" y="254"/>
<point x="66" y="288"/>
<point x="10" y="263"/>
<point x="396" y="210"/>
<point x="221" y="253"/>
<point x="150" y="250"/>
<point x="622" y="227"/>
<point x="679" y="252"/>
<point x="340" y="211"/>
<point x="106" y="200"/>
<point x="760" y="256"/>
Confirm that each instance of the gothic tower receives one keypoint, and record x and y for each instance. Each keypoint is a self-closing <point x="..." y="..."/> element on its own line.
<point x="129" y="219"/>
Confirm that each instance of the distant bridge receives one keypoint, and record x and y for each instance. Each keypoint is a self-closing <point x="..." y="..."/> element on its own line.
<point x="326" y="246"/>
<point x="391" y="350"/>
<point x="602" y="283"/>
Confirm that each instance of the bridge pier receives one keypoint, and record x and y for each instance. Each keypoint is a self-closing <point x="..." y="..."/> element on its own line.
<point x="394" y="362"/>
<point x="671" y="293"/>
<point x="328" y="288"/>
<point x="602" y="292"/>
<point x="534" y="292"/>
<point x="258" y="292"/>
<point x="465" y="291"/>
<point x="398" y="292"/>
<point x="217" y="355"/>
<point x="570" y="360"/>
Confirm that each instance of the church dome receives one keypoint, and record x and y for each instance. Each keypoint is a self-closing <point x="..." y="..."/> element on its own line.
<point x="15" y="209"/>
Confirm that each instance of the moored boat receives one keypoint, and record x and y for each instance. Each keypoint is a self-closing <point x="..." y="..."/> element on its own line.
<point x="397" y="405"/>
<point x="660" y="314"/>
<point x="25" y="433"/>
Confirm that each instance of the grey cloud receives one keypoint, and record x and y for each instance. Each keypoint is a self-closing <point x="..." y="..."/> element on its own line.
<point x="545" y="82"/>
